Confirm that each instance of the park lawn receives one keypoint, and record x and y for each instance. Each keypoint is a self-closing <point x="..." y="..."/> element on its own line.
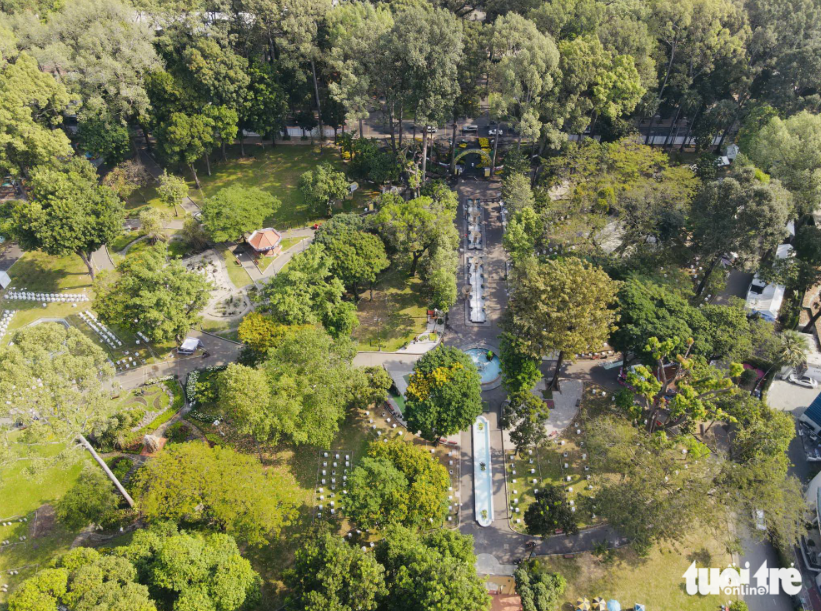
<point x="396" y="314"/>
<point x="236" y="273"/>
<point x="222" y="328"/>
<point x="655" y="581"/>
<point x="146" y="197"/>
<point x="39" y="272"/>
<point x="21" y="494"/>
<point x="272" y="169"/>
<point x="124" y="239"/>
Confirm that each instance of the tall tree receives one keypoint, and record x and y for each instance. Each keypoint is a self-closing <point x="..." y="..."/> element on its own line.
<point x="329" y="574"/>
<point x="186" y="138"/>
<point x="299" y="392"/>
<point x="358" y="257"/>
<point x="234" y="211"/>
<point x="434" y="571"/>
<point x="192" y="570"/>
<point x="307" y="293"/>
<point x="539" y="589"/>
<point x="790" y="150"/>
<point x="31" y="106"/>
<point x="64" y="376"/>
<point x="198" y="483"/>
<point x="152" y="295"/>
<point x="83" y="579"/>
<point x="106" y="52"/>
<point x="526" y="416"/>
<point x="322" y="186"/>
<point x="550" y="511"/>
<point x="69" y="212"/>
<point x="739" y="214"/>
<point x="411" y="228"/>
<point x="444" y="395"/>
<point x="523" y="75"/>
<point x="548" y="301"/>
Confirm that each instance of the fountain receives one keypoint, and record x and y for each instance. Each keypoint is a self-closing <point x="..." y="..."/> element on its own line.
<point x="487" y="363"/>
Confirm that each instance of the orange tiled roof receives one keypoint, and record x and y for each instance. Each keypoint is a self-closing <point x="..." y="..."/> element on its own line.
<point x="264" y="239"/>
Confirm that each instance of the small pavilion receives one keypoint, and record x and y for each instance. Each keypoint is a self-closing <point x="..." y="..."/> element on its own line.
<point x="266" y="242"/>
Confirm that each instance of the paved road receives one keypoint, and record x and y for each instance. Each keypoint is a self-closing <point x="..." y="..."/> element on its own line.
<point x="222" y="352"/>
<point x="756" y="552"/>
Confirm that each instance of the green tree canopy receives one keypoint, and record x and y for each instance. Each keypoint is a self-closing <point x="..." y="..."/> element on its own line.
<point x="330" y="575"/>
<point x="233" y="211"/>
<point x="151" y="294"/>
<point x="539" y="589"/>
<point x="198" y="483"/>
<point x="790" y="150"/>
<point x="31" y="106"/>
<point x="357" y="258"/>
<point x="307" y="293"/>
<point x="433" y="571"/>
<point x="300" y="391"/>
<point x="83" y="579"/>
<point x="191" y="571"/>
<point x="414" y="491"/>
<point x="444" y="394"/>
<point x="53" y="383"/>
<point x="525" y="415"/>
<point x="90" y="501"/>
<point x="70" y="213"/>
<point x="549" y="512"/>
<point x="738" y="214"/>
<point x="550" y="298"/>
<point x="378" y="494"/>
<point x="322" y="186"/>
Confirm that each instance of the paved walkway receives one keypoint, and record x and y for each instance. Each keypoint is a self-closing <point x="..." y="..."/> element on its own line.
<point x="9" y="256"/>
<point x="247" y="261"/>
<point x="222" y="352"/>
<point x="498" y="547"/>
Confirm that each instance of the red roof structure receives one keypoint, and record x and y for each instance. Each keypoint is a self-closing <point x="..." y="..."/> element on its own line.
<point x="265" y="240"/>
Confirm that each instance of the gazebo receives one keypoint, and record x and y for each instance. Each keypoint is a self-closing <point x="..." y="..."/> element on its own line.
<point x="266" y="242"/>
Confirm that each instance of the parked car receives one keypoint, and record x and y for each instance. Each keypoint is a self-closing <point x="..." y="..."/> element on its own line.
<point x="470" y="129"/>
<point x="806" y="381"/>
<point x="496" y="131"/>
<point x="758" y="517"/>
<point x="431" y="129"/>
<point x="315" y="226"/>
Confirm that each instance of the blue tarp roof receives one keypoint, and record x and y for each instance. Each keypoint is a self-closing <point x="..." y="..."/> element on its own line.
<point x="814" y="410"/>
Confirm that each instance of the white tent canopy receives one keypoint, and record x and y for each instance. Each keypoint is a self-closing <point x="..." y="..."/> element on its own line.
<point x="4" y="280"/>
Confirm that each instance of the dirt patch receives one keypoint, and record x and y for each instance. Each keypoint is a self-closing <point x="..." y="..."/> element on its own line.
<point x="45" y="520"/>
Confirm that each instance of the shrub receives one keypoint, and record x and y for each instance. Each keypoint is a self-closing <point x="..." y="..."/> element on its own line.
<point x="177" y="432"/>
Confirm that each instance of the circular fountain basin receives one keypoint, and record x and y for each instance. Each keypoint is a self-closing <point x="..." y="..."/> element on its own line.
<point x="489" y="370"/>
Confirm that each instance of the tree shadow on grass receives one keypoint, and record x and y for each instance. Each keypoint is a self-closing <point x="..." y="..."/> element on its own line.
<point x="702" y="557"/>
<point x="33" y="274"/>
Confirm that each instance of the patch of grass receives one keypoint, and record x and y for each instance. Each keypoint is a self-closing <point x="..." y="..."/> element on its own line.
<point x="152" y="399"/>
<point x="396" y="314"/>
<point x="36" y="271"/>
<point x="273" y="169"/>
<point x="654" y="581"/>
<point x="226" y="329"/>
<point x="21" y="494"/>
<point x="123" y="240"/>
<point x="236" y="273"/>
<point x="146" y="197"/>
